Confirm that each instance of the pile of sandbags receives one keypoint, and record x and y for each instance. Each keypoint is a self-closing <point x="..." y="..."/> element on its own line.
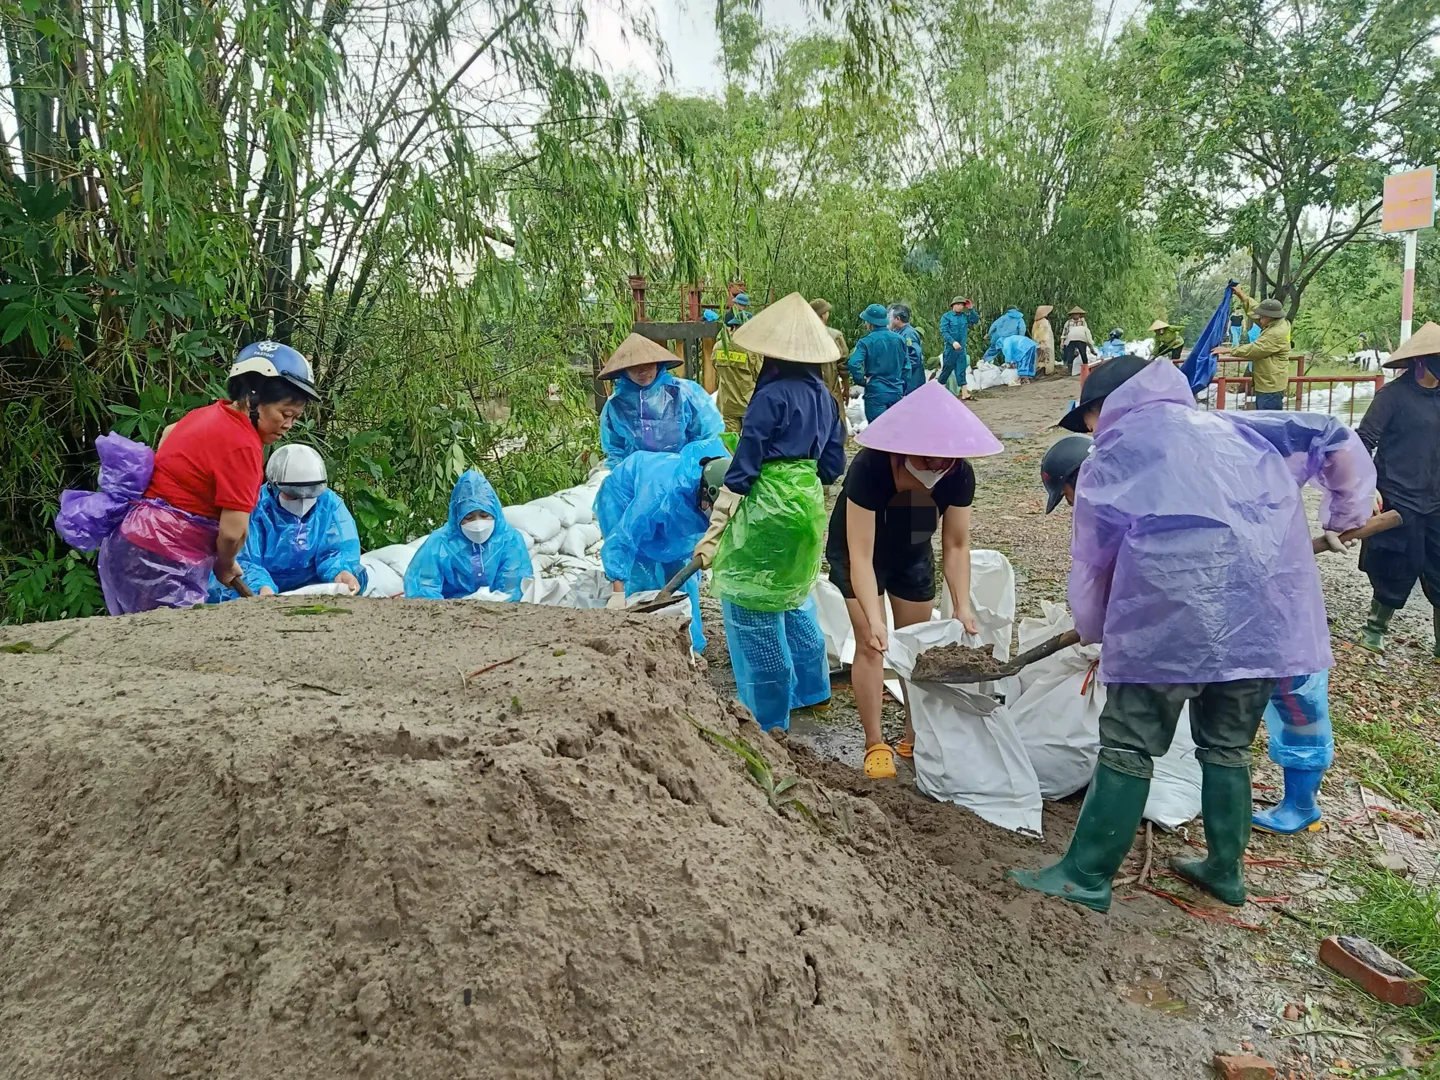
<point x="563" y="523"/>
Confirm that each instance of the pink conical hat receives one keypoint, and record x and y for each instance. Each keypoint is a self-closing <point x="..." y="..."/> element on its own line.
<point x="931" y="422"/>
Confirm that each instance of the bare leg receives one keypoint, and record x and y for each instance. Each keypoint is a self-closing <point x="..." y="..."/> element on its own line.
<point x="909" y="613"/>
<point x="867" y="675"/>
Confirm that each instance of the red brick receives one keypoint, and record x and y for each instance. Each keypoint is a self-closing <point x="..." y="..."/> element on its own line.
<point x="1243" y="1067"/>
<point x="1391" y="989"/>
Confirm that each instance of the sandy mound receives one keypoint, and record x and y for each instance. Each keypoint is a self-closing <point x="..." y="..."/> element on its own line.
<point x="244" y="844"/>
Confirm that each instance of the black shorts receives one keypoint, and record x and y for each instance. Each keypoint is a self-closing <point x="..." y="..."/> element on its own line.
<point x="910" y="577"/>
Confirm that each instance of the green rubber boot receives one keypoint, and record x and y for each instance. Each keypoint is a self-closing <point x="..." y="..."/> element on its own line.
<point x="1376" y="627"/>
<point x="1225" y="806"/>
<point x="1103" y="835"/>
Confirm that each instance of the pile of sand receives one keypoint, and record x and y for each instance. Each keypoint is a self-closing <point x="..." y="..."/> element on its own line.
<point x="243" y="843"/>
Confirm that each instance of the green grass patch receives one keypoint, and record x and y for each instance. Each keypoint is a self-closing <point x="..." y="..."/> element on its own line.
<point x="1404" y="921"/>
<point x="1406" y="762"/>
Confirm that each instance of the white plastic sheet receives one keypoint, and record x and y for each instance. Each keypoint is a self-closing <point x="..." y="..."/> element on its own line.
<point x="967" y="750"/>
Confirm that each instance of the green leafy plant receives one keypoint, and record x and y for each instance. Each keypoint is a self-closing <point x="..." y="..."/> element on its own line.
<point x="777" y="792"/>
<point x="49" y="584"/>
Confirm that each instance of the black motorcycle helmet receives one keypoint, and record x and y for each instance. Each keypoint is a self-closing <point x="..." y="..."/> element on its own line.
<point x="1060" y="466"/>
<point x="1100" y="384"/>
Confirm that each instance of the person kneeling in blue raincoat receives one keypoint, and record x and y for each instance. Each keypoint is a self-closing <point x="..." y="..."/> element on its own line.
<point x="301" y="532"/>
<point x="475" y="549"/>
<point x="653" y="510"/>
<point x="650" y="409"/>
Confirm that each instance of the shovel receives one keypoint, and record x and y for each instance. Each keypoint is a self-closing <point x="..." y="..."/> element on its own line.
<point x="1390" y="519"/>
<point x="1039" y="652"/>
<point x="666" y="596"/>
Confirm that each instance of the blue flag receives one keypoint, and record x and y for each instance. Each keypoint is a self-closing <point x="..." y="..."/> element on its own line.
<point x="1199" y="366"/>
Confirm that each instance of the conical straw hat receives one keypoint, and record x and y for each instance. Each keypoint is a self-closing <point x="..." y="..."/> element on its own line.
<point x="1077" y="311"/>
<point x="636" y="351"/>
<point x="1424" y="342"/>
<point x="1158" y="325"/>
<point x="788" y="329"/>
<point x="931" y="422"/>
<point x="1043" y="310"/>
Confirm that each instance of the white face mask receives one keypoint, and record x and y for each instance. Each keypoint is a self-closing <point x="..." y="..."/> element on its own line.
<point x="928" y="477"/>
<point x="477" y="532"/>
<point x="298" y="507"/>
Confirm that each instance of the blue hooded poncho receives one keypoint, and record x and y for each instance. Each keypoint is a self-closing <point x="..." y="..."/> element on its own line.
<point x="649" y="511"/>
<point x="284" y="552"/>
<point x="664" y="416"/>
<point x="1007" y="325"/>
<point x="448" y="566"/>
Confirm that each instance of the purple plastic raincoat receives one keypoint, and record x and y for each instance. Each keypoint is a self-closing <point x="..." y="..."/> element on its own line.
<point x="1192" y="556"/>
<point x="151" y="554"/>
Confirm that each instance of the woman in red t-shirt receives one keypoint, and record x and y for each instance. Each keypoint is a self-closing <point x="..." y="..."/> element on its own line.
<point x="208" y="471"/>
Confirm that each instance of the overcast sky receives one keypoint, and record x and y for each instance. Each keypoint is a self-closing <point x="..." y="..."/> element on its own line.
<point x="688" y="29"/>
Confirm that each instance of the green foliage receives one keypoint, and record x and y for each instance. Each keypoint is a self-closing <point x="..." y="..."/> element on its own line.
<point x="50" y="584"/>
<point x="1028" y="190"/>
<point x="1274" y="127"/>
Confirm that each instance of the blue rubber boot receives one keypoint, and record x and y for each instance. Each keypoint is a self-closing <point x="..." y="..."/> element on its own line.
<point x="1298" y="810"/>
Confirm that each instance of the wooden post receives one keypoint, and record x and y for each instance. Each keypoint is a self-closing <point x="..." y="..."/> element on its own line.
<point x="708" y="378"/>
<point x="637" y="295"/>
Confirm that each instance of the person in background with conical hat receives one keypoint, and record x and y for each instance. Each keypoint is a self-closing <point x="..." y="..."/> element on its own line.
<point x="836" y="377"/>
<point x="910" y="478"/>
<point x="955" y="327"/>
<point x="1077" y="346"/>
<point x="649" y="408"/>
<point x="1193" y="566"/>
<point x="768" y="521"/>
<point x="1402" y="428"/>
<point x="1044" y="337"/>
<point x="879" y="362"/>
<point x="1167" y="341"/>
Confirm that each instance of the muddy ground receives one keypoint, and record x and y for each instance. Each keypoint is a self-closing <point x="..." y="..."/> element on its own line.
<point x="1209" y="979"/>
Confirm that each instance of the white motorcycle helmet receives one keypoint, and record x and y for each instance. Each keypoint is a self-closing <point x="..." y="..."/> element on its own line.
<point x="297" y="475"/>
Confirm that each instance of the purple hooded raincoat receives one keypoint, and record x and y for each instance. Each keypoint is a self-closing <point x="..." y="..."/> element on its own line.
<point x="1192" y="556"/>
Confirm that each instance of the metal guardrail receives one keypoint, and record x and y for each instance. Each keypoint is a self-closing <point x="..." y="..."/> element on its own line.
<point x="1303" y="392"/>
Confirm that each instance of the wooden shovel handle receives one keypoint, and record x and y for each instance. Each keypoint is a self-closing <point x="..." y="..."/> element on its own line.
<point x="240" y="587"/>
<point x="1390" y="519"/>
<point x="1044" y="649"/>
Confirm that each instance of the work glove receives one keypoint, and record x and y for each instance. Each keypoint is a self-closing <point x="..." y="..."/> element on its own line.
<point x="1334" y="543"/>
<point x="725" y="503"/>
<point x="616" y="601"/>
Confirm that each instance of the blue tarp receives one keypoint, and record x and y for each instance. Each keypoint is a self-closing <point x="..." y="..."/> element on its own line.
<point x="1199" y="366"/>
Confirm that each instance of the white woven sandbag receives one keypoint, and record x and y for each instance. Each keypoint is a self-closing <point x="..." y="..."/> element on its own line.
<point x="562" y="510"/>
<point x="535" y="521"/>
<point x="967" y="750"/>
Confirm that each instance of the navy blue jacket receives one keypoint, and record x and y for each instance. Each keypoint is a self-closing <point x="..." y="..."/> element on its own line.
<point x="879" y="362"/>
<point x="792" y="415"/>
